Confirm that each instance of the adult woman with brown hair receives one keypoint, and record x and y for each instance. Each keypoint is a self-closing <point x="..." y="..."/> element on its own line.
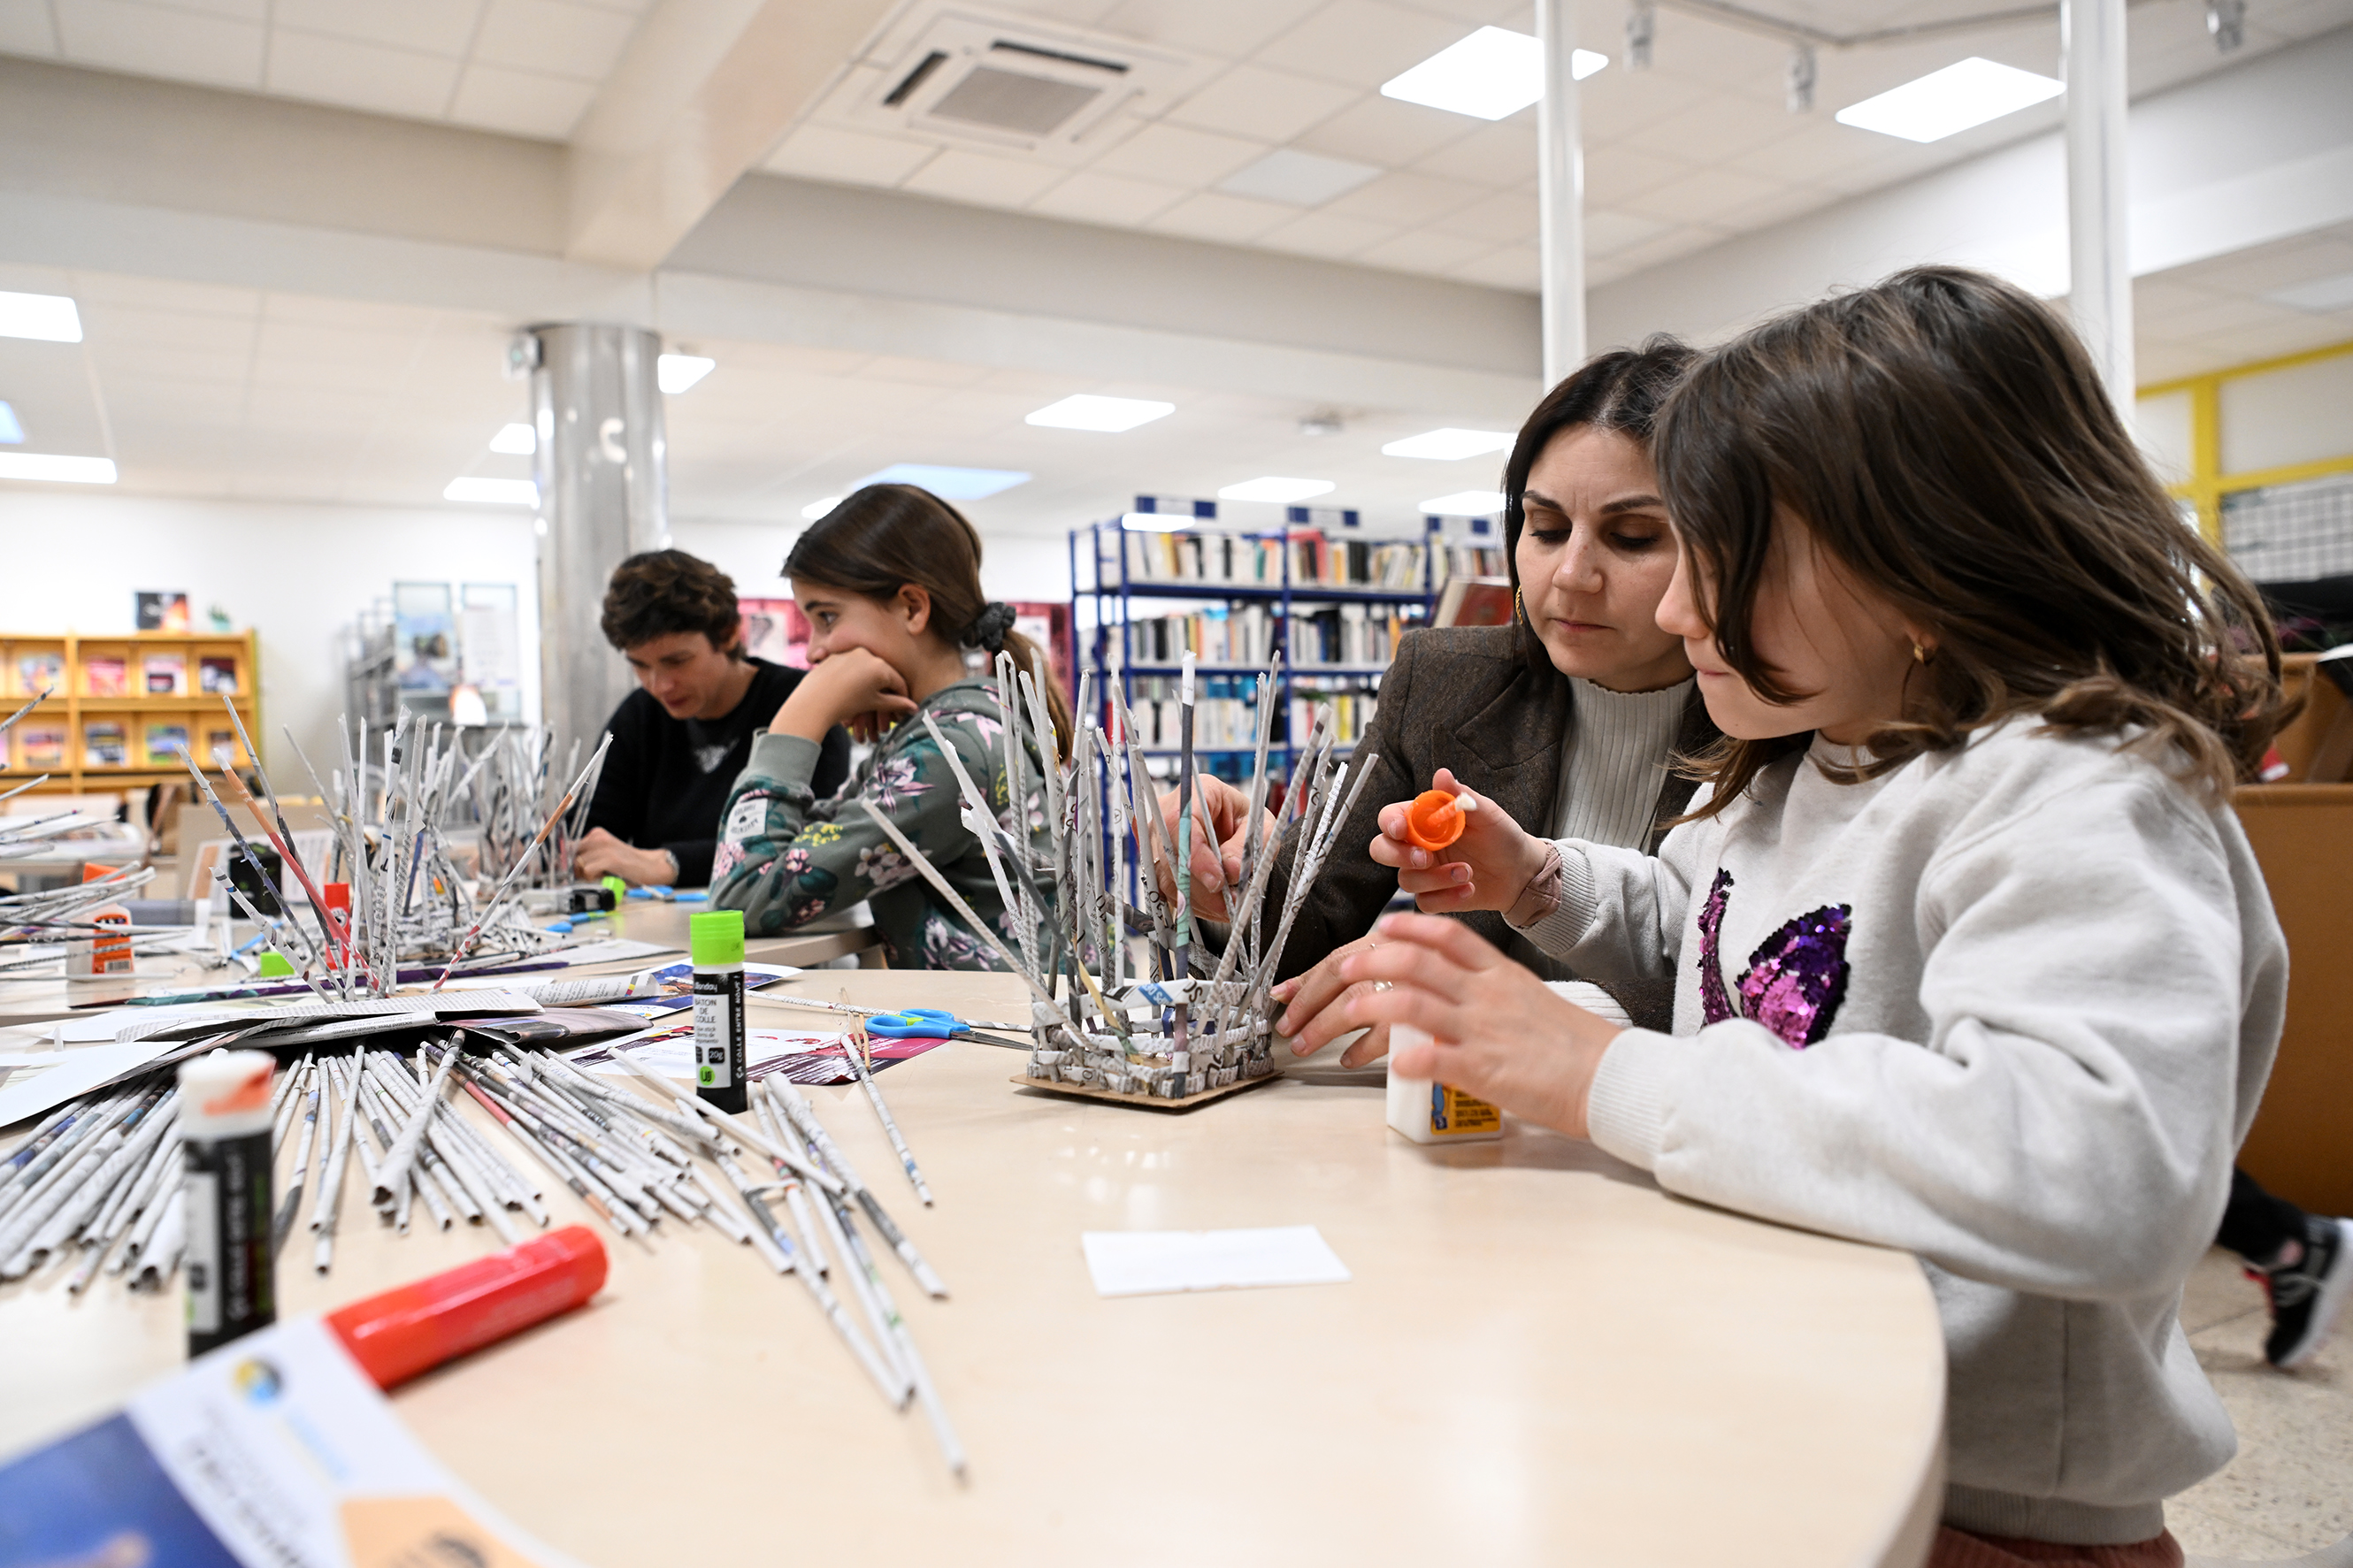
<point x="889" y="580"/>
<point x="1569" y="716"/>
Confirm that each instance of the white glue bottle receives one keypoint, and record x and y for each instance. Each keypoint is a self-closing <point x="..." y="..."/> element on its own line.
<point x="1430" y="1112"/>
<point x="225" y="1138"/>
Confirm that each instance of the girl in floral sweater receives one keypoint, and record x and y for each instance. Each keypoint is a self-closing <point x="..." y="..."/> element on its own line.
<point x="889" y="580"/>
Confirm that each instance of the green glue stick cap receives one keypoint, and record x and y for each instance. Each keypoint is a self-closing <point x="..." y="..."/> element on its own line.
<point x="273" y="965"/>
<point x="715" y="938"/>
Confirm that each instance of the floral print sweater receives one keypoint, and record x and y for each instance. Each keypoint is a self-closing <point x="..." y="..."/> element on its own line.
<point x="786" y="857"/>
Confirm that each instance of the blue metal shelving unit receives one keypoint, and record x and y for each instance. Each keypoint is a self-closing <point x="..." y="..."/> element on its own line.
<point x="1108" y="585"/>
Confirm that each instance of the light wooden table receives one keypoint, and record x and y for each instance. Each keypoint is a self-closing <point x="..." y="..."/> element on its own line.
<point x="1541" y="1359"/>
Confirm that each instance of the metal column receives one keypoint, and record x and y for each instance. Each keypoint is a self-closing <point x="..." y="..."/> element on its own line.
<point x="2099" y="263"/>
<point x="601" y="465"/>
<point x="1560" y="187"/>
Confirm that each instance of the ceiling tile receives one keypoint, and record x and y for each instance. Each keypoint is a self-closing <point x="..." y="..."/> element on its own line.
<point x="1616" y="175"/>
<point x="429" y="26"/>
<point x="1724" y="127"/>
<point x="553" y="38"/>
<point x="1232" y="219"/>
<point x="1818" y="150"/>
<point x="1618" y="103"/>
<point x="1226" y="28"/>
<point x="1385" y="131"/>
<point x="149" y="41"/>
<point x="1504" y="218"/>
<point x="1088" y="197"/>
<point x="236" y="10"/>
<point x="982" y="178"/>
<point x="26" y="28"/>
<point x="849" y="157"/>
<point x="1513" y="267"/>
<point x="1326" y="234"/>
<point x="1703" y="197"/>
<point x="360" y="76"/>
<point x="520" y="103"/>
<point x="110" y="329"/>
<point x="1361" y="42"/>
<point x="166" y="294"/>
<point x="1606" y="232"/>
<point x="1423" y="250"/>
<point x="1178" y="155"/>
<point x="1250" y="100"/>
<point x="1504" y="153"/>
<point x="1405" y="199"/>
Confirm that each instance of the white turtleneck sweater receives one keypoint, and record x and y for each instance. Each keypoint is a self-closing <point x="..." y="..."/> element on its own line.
<point x="1615" y="761"/>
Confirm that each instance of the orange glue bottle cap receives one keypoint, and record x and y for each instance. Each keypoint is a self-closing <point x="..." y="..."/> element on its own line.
<point x="1434" y="820"/>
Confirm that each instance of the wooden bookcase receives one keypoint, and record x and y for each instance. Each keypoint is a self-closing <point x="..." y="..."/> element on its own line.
<point x="123" y="696"/>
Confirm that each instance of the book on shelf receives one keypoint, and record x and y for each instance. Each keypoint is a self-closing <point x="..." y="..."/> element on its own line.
<point x="220" y="743"/>
<point x="1221" y="633"/>
<point x="164" y="742"/>
<point x="1224" y="711"/>
<point x="164" y="611"/>
<point x="39" y="672"/>
<point x="1242" y="560"/>
<point x="1462" y="558"/>
<point x="216" y="675"/>
<point x="1474" y="602"/>
<point x="104" y="744"/>
<point x="1364" y="636"/>
<point x="1352" y="713"/>
<point x="166" y="674"/>
<point x="104" y="674"/>
<point x="40" y="745"/>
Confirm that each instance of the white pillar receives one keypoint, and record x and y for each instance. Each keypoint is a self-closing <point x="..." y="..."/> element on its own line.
<point x="601" y="464"/>
<point x="2099" y="266"/>
<point x="1560" y="200"/>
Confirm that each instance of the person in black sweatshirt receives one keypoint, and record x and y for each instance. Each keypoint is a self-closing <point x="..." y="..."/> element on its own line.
<point x="680" y="739"/>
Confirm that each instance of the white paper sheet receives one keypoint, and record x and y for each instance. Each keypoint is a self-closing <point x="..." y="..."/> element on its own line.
<point x="1158" y="1262"/>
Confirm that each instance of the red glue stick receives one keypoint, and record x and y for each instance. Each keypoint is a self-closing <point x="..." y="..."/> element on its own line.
<point x="1434" y="820"/>
<point x="414" y="1328"/>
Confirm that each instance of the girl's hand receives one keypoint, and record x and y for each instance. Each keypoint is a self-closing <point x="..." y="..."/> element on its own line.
<point x="854" y="686"/>
<point x="1317" y="1013"/>
<point x="1486" y="869"/>
<point x="1497" y="1031"/>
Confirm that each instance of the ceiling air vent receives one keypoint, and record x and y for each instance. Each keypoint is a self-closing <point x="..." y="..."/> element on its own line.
<point x="970" y="78"/>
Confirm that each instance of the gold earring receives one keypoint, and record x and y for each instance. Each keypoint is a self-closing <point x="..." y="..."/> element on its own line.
<point x="1519" y="608"/>
<point x="1919" y="653"/>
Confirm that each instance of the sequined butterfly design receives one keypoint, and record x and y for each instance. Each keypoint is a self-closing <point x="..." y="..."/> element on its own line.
<point x="1795" y="980"/>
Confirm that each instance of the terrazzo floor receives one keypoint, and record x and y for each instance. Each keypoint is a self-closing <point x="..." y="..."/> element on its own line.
<point x="2290" y="1489"/>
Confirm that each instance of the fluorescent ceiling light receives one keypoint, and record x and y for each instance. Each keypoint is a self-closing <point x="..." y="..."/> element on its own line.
<point x="1278" y="491"/>
<point x="2322" y="294"/>
<point x="63" y="470"/>
<point x="1466" y="503"/>
<point x="51" y="318"/>
<point x="1945" y="102"/>
<point x="11" y="431"/>
<point x="676" y="372"/>
<point x="818" y="509"/>
<point x="1302" y="179"/>
<point x="1157" y="521"/>
<point x="493" y="492"/>
<point x="519" y="440"/>
<point x="948" y="484"/>
<point x="1492" y="73"/>
<point x="1448" y="445"/>
<point x="1087" y="412"/>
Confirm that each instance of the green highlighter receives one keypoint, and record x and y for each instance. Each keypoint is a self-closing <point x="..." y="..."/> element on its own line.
<point x="714" y="945"/>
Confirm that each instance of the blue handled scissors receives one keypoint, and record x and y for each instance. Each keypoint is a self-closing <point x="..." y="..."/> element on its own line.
<point x="926" y="1024"/>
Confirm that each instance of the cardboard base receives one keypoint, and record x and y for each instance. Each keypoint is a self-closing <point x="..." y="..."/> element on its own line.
<point x="1141" y="1101"/>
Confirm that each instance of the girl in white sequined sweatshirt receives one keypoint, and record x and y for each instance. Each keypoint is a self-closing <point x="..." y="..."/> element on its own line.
<point x="1971" y="957"/>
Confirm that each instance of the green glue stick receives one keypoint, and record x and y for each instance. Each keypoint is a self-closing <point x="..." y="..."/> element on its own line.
<point x="714" y="943"/>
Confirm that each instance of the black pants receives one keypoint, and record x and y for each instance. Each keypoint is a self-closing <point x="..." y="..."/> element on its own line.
<point x="2255" y="1225"/>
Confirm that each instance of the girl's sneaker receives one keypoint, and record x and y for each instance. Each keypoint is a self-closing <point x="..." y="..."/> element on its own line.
<point x="2307" y="1295"/>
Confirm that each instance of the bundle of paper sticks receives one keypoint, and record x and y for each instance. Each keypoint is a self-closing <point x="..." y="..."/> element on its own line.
<point x="95" y="1186"/>
<point x="1195" y="1021"/>
<point x="409" y="900"/>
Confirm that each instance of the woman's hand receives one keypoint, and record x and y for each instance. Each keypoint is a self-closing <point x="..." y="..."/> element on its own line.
<point x="1220" y="833"/>
<point x="600" y="854"/>
<point x="1317" y="1015"/>
<point x="1486" y="869"/>
<point x="855" y="687"/>
<point x="1496" y="1031"/>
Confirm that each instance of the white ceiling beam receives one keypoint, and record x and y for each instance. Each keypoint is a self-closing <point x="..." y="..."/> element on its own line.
<point x="705" y="91"/>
